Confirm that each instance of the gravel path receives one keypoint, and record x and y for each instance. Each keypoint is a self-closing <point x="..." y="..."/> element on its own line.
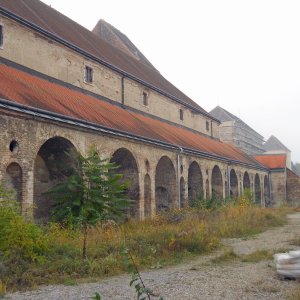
<point x="200" y="278"/>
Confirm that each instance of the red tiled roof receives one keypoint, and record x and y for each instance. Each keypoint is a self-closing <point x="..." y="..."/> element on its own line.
<point x="30" y="90"/>
<point x="47" y="18"/>
<point x="272" y="161"/>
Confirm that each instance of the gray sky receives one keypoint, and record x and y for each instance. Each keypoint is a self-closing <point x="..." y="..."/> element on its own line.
<point x="241" y="55"/>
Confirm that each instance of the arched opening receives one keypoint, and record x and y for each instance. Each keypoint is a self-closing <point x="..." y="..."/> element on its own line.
<point x="54" y="163"/>
<point x="129" y="169"/>
<point x="147" y="196"/>
<point x="195" y="182"/>
<point x="217" y="183"/>
<point x="13" y="180"/>
<point x="165" y="185"/>
<point x="246" y="181"/>
<point x="234" y="191"/>
<point x="266" y="191"/>
<point x="182" y="192"/>
<point x="257" y="190"/>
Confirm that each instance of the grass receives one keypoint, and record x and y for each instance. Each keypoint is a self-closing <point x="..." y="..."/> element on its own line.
<point x="167" y="239"/>
<point x="257" y="256"/>
<point x="294" y="294"/>
<point x="228" y="256"/>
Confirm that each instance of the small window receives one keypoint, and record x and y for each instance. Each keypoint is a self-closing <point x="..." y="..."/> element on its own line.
<point x="181" y="114"/>
<point x="207" y="125"/>
<point x="1" y="36"/>
<point x="88" y="74"/>
<point x="145" y="99"/>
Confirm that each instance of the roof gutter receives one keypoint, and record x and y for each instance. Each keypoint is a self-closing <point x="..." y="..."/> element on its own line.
<point x="36" y="112"/>
<point x="101" y="61"/>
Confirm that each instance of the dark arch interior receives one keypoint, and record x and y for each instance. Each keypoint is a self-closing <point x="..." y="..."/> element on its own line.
<point x="13" y="180"/>
<point x="266" y="191"/>
<point x="246" y="181"/>
<point x="128" y="168"/>
<point x="195" y="182"/>
<point x="207" y="189"/>
<point x="217" y="183"/>
<point x="257" y="190"/>
<point x="165" y="185"/>
<point x="53" y="164"/>
<point x="147" y="196"/>
<point x="182" y="192"/>
<point x="234" y="192"/>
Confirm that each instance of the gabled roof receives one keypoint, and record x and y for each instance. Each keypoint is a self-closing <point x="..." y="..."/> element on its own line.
<point x="117" y="39"/>
<point x="29" y="90"/>
<point x="272" y="161"/>
<point x="273" y="144"/>
<point x="50" y="22"/>
<point x="223" y="115"/>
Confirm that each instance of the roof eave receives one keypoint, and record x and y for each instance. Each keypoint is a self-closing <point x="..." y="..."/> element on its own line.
<point x="6" y="104"/>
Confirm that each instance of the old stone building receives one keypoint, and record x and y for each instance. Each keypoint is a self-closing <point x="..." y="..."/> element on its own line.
<point x="284" y="183"/>
<point x="274" y="146"/>
<point x="64" y="87"/>
<point x="235" y="131"/>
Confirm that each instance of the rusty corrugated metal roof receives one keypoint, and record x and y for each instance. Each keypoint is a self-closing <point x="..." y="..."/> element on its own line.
<point x="272" y="161"/>
<point x="29" y="90"/>
<point x="47" y="18"/>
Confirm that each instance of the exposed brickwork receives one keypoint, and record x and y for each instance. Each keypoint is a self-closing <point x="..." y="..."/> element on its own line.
<point x="293" y="188"/>
<point x="31" y="134"/>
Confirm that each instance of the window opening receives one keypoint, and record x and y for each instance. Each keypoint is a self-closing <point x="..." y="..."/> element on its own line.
<point x="145" y="99"/>
<point x="1" y="36"/>
<point x="14" y="147"/>
<point x="181" y="114"/>
<point x="88" y="74"/>
<point x="207" y="125"/>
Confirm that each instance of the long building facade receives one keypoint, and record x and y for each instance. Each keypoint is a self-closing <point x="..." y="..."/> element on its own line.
<point x="64" y="87"/>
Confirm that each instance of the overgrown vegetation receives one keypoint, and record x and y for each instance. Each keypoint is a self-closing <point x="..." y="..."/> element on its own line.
<point x="52" y="254"/>
<point x="91" y="194"/>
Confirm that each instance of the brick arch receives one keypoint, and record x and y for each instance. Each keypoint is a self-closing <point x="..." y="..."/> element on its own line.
<point x="234" y="191"/>
<point x="128" y="167"/>
<point x="195" y="182"/>
<point x="165" y="185"/>
<point x="13" y="180"/>
<point x="53" y="164"/>
<point x="217" y="182"/>
<point x="61" y="135"/>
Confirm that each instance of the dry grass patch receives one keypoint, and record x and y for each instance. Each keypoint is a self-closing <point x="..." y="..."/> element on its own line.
<point x="167" y="239"/>
<point x="294" y="294"/>
<point x="257" y="256"/>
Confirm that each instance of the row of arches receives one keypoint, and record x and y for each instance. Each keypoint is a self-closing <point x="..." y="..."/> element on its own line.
<point x="54" y="161"/>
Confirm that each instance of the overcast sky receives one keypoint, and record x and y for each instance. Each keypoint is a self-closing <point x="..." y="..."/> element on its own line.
<point x="241" y="55"/>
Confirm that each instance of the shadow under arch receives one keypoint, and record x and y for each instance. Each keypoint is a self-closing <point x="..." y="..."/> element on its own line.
<point x="165" y="185"/>
<point x="195" y="182"/>
<point x="217" y="183"/>
<point x="54" y="163"/>
<point x="127" y="166"/>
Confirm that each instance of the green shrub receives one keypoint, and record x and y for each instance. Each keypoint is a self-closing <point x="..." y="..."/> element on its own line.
<point x="17" y="236"/>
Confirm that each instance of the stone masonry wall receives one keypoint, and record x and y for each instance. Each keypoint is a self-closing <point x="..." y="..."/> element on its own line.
<point x="31" y="134"/>
<point x="278" y="188"/>
<point x="34" y="51"/>
<point x="293" y="188"/>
